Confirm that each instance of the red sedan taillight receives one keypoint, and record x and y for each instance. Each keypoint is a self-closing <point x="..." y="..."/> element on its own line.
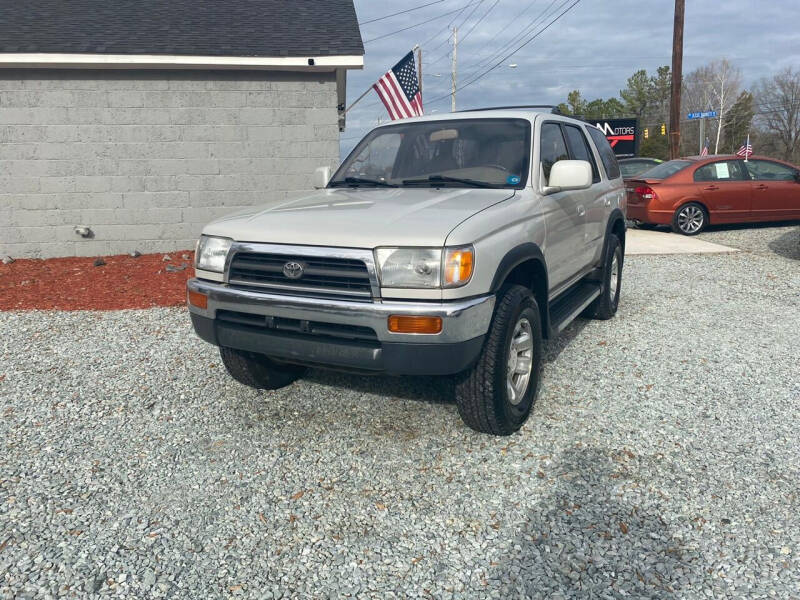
<point x="646" y="192"/>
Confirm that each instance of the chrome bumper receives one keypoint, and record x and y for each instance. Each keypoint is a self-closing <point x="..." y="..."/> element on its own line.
<point x="462" y="320"/>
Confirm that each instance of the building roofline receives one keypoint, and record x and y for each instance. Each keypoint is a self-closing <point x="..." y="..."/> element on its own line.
<point x="176" y="61"/>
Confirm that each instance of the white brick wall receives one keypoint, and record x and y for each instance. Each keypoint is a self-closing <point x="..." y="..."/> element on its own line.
<point x="146" y="158"/>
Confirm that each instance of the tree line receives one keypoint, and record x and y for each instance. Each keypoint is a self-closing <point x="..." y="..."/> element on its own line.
<point x="769" y="110"/>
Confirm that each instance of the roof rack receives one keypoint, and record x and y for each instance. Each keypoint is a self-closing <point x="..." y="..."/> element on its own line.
<point x="552" y="108"/>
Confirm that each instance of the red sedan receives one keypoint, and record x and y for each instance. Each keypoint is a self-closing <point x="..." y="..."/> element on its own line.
<point x="690" y="193"/>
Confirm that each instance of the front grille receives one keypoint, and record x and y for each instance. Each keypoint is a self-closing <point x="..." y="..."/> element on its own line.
<point x="296" y="327"/>
<point x="322" y="277"/>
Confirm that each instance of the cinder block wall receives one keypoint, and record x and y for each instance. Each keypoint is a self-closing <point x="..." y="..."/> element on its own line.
<point x="146" y="158"/>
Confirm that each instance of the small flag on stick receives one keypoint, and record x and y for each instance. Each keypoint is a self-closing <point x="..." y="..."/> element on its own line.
<point x="704" y="151"/>
<point x="746" y="149"/>
<point x="399" y="89"/>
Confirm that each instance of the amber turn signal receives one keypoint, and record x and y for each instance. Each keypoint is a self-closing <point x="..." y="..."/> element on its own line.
<point x="197" y="299"/>
<point x="458" y="265"/>
<point x="413" y="324"/>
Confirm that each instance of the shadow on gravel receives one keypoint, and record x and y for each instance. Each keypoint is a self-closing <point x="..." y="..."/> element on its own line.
<point x="437" y="390"/>
<point x="788" y="245"/>
<point x="556" y="345"/>
<point x="599" y="534"/>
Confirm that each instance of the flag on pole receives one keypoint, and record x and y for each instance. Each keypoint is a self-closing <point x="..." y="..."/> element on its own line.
<point x="704" y="151"/>
<point x="399" y="89"/>
<point x="746" y="149"/>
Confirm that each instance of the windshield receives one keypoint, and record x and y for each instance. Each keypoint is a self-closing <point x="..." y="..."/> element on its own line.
<point x="452" y="153"/>
<point x="664" y="170"/>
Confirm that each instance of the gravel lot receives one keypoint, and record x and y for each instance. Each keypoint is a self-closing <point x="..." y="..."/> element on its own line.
<point x="662" y="458"/>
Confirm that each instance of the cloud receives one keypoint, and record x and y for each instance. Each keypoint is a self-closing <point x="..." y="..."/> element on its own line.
<point x="595" y="48"/>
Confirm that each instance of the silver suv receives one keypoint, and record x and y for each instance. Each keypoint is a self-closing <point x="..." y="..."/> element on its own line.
<point x="443" y="245"/>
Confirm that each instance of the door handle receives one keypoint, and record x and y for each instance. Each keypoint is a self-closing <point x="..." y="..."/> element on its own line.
<point x="581" y="211"/>
<point x="762" y="187"/>
<point x="711" y="187"/>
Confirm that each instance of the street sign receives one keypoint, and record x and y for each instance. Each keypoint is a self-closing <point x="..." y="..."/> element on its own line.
<point x="709" y="114"/>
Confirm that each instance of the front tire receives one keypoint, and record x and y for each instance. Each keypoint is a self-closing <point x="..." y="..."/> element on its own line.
<point x="497" y="394"/>
<point x="690" y="219"/>
<point x="258" y="371"/>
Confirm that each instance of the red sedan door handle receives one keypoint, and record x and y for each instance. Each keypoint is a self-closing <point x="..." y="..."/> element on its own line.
<point x="762" y="187"/>
<point x="711" y="187"/>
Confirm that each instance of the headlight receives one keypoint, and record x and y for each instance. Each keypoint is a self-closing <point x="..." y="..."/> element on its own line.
<point x="211" y="253"/>
<point x="409" y="267"/>
<point x="425" y="267"/>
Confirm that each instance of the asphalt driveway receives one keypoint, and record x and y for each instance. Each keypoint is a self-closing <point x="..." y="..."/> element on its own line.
<point x="662" y="458"/>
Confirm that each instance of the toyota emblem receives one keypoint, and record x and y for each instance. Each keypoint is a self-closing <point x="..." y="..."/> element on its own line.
<point x="293" y="270"/>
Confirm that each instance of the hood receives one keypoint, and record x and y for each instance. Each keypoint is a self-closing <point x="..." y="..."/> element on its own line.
<point x="360" y="218"/>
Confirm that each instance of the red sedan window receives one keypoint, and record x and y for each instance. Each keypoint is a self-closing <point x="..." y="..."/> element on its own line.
<point x="723" y="170"/>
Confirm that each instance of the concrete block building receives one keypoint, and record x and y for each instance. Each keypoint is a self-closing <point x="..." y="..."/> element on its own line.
<point x="144" y="120"/>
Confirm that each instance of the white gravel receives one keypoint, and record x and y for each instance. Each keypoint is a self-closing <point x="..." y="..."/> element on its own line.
<point x="662" y="458"/>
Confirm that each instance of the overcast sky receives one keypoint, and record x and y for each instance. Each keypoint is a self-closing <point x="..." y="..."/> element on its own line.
<point x="594" y="47"/>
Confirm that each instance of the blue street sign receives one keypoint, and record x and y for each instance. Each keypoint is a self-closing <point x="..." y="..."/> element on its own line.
<point x="709" y="114"/>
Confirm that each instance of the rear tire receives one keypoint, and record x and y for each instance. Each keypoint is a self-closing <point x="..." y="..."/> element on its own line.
<point x="606" y="304"/>
<point x="497" y="394"/>
<point x="690" y="219"/>
<point x="258" y="371"/>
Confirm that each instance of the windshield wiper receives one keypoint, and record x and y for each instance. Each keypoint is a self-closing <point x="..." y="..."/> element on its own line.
<point x="436" y="179"/>
<point x="356" y="181"/>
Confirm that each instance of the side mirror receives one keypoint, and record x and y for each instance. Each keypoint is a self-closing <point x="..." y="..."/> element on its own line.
<point x="569" y="175"/>
<point x="322" y="175"/>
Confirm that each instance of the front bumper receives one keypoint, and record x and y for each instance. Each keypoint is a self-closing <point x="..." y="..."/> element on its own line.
<point x="317" y="331"/>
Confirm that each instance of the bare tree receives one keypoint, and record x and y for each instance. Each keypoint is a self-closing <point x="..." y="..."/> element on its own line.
<point x="727" y="82"/>
<point x="714" y="86"/>
<point x="778" y="101"/>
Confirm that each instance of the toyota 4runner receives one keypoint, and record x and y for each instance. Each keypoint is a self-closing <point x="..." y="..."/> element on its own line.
<point x="443" y="245"/>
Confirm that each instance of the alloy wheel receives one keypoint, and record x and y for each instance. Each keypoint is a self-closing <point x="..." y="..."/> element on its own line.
<point x="690" y="219"/>
<point x="520" y="361"/>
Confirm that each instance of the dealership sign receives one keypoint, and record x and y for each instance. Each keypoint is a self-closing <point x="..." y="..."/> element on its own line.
<point x="621" y="134"/>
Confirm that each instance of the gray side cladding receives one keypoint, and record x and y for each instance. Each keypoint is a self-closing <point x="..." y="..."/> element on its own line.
<point x="189" y="27"/>
<point x="146" y="158"/>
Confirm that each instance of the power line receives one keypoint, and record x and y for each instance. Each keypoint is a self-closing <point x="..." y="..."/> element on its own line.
<point x="441" y="56"/>
<point x="380" y="37"/>
<point x="505" y="58"/>
<point x="445" y="28"/>
<point x="517" y="37"/>
<point x="402" y="12"/>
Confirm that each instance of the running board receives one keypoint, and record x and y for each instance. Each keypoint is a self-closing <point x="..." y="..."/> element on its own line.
<point x="564" y="310"/>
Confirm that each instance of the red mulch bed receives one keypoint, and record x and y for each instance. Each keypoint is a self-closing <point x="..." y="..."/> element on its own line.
<point x="76" y="284"/>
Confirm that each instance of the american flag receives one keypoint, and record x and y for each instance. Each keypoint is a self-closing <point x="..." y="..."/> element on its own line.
<point x="704" y="151"/>
<point x="399" y="89"/>
<point x="746" y="149"/>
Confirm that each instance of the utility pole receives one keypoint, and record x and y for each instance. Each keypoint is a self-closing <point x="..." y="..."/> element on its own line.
<point x="677" y="78"/>
<point x="455" y="67"/>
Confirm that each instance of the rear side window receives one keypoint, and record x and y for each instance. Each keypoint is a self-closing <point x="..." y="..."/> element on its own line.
<point x="552" y="148"/>
<point x="606" y="153"/>
<point x="723" y="170"/>
<point x="579" y="148"/>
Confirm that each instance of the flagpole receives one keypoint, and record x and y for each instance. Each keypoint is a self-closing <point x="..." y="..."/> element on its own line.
<point x="357" y="100"/>
<point x="369" y="89"/>
<point x="747" y="147"/>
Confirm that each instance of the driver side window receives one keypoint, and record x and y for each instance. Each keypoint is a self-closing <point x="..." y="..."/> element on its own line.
<point x="552" y="148"/>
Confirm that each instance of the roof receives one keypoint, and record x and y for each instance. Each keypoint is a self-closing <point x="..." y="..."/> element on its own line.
<point x="246" y="28"/>
<point x="501" y="112"/>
